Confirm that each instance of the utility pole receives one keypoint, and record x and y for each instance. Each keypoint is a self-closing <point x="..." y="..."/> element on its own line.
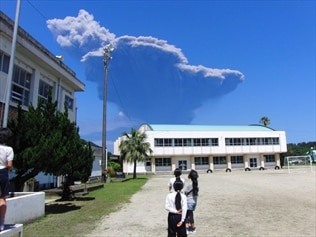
<point x="108" y="49"/>
<point x="11" y="66"/>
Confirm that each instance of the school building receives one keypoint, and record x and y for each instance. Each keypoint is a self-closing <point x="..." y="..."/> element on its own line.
<point x="35" y="71"/>
<point x="209" y="148"/>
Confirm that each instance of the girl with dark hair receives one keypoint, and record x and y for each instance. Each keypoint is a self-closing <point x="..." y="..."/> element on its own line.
<point x="191" y="192"/>
<point x="176" y="205"/>
<point x="177" y="173"/>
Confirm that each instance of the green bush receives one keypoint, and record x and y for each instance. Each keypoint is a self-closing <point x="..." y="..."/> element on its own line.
<point x="111" y="171"/>
<point x="115" y="166"/>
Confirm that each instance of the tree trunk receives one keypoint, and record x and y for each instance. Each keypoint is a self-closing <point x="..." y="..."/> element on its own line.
<point x="134" y="173"/>
<point x="67" y="193"/>
<point x="19" y="180"/>
<point x="18" y="184"/>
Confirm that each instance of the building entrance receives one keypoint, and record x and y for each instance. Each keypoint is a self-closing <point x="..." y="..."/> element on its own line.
<point x="182" y="164"/>
<point x="253" y="162"/>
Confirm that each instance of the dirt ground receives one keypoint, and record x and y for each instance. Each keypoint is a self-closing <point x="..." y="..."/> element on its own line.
<point x="256" y="204"/>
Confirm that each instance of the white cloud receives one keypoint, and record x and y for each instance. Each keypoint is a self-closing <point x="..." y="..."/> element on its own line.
<point x="78" y="30"/>
<point x="211" y="72"/>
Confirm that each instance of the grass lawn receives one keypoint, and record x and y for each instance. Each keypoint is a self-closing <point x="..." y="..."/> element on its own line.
<point x="80" y="217"/>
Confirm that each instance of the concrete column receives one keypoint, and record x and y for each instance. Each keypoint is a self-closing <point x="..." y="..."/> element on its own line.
<point x="229" y="162"/>
<point x="261" y="158"/>
<point x="173" y="165"/>
<point x="277" y="160"/>
<point x="211" y="162"/>
<point x="246" y="162"/>
<point x="192" y="163"/>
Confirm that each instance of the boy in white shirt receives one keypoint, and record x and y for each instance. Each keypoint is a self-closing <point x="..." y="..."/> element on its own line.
<point x="176" y="205"/>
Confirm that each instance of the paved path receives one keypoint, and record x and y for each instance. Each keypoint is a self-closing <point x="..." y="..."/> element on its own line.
<point x="255" y="204"/>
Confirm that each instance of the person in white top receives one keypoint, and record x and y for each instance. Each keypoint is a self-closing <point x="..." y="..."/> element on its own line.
<point x="176" y="205"/>
<point x="6" y="161"/>
<point x="177" y="173"/>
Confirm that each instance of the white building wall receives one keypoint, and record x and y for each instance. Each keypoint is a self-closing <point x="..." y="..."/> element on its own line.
<point x="129" y="167"/>
<point x="96" y="166"/>
<point x="188" y="153"/>
<point x="33" y="57"/>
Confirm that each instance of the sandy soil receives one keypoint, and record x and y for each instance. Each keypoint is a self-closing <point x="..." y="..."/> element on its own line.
<point x="255" y="204"/>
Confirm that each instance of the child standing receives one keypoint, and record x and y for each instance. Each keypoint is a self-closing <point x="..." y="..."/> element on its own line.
<point x="191" y="192"/>
<point x="176" y="205"/>
<point x="6" y="162"/>
<point x="177" y="173"/>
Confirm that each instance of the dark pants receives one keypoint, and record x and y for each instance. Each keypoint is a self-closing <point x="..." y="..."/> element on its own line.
<point x="173" y="230"/>
<point x="190" y="217"/>
<point x="4" y="183"/>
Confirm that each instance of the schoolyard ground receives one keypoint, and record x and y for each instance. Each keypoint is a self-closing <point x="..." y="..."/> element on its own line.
<point x="256" y="203"/>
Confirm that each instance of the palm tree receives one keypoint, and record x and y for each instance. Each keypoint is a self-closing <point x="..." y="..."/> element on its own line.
<point x="265" y="121"/>
<point x="133" y="148"/>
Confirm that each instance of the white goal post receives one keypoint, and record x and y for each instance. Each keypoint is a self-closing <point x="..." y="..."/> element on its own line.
<point x="298" y="163"/>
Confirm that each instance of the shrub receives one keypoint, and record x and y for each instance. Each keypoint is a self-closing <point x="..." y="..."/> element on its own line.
<point x="111" y="171"/>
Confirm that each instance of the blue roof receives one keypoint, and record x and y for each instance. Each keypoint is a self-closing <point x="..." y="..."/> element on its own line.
<point x="189" y="127"/>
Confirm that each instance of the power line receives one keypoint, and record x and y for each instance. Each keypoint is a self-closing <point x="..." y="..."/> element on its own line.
<point x="94" y="59"/>
<point x="37" y="10"/>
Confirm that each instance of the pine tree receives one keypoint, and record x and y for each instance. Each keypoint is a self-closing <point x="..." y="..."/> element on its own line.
<point x="45" y="140"/>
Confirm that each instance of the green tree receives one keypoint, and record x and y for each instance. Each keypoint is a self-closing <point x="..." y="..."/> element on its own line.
<point x="302" y="148"/>
<point x="133" y="148"/>
<point x="75" y="157"/>
<point x="45" y="140"/>
<point x="265" y="121"/>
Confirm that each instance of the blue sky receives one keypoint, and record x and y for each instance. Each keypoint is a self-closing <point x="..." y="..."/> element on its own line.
<point x="187" y="62"/>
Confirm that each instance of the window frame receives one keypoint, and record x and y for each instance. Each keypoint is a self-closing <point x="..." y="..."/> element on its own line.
<point x="21" y="86"/>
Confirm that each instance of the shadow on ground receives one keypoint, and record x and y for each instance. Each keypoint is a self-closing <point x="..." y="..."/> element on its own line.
<point x="58" y="208"/>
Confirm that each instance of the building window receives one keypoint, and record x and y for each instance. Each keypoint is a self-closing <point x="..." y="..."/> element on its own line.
<point x="167" y="142"/>
<point x="214" y="141"/>
<point x="163" y="162"/>
<point x="178" y="142"/>
<point x="21" y="86"/>
<point x="4" y="62"/>
<point x="252" y="141"/>
<point x="228" y="141"/>
<point x="267" y="141"/>
<point x="269" y="158"/>
<point x="158" y="142"/>
<point x="203" y="160"/>
<point x="187" y="142"/>
<point x="237" y="141"/>
<point x="196" y="141"/>
<point x="43" y="90"/>
<point x="205" y="141"/>
<point x="69" y="102"/>
<point x="148" y="162"/>
<point x="237" y="159"/>
<point x="275" y="141"/>
<point x="219" y="160"/>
